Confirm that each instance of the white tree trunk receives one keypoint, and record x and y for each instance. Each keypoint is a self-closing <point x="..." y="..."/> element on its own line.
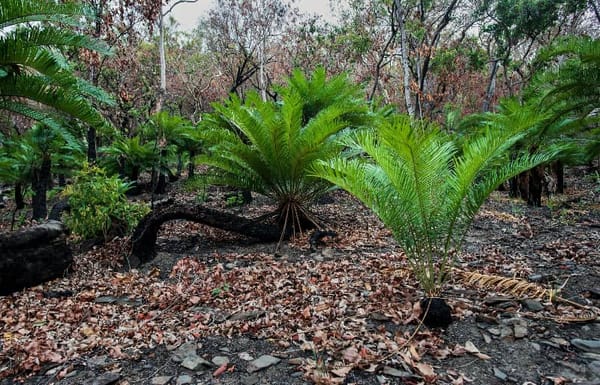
<point x="404" y="58"/>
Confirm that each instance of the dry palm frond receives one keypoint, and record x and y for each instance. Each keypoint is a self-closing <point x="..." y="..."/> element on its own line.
<point x="588" y="315"/>
<point x="512" y="286"/>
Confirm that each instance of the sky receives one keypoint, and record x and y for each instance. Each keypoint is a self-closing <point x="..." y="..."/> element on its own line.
<point x="187" y="14"/>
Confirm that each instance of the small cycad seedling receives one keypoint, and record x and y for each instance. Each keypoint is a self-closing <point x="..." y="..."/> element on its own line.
<point x="425" y="187"/>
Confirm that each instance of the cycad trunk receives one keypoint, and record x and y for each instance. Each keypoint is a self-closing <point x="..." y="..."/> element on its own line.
<point x="39" y="184"/>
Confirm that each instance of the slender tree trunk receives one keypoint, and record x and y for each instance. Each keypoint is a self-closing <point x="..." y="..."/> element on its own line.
<point x="19" y="201"/>
<point x="91" y="145"/>
<point x="399" y="13"/>
<point x="162" y="92"/>
<point x="39" y="184"/>
<point x="191" y="165"/>
<point x="491" y="88"/>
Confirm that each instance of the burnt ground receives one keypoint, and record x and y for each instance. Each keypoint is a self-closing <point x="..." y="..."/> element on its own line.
<point x="342" y="314"/>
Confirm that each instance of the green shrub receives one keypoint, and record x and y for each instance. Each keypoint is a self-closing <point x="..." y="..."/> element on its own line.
<point x="99" y="205"/>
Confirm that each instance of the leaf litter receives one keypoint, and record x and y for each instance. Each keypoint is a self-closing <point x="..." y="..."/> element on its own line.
<point x="354" y="307"/>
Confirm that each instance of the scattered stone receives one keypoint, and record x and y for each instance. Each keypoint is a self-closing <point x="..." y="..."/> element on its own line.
<point x="262" y="362"/>
<point x="250" y="380"/>
<point x="297" y="374"/>
<point x="506" y="331"/>
<point x="195" y="363"/>
<point x="533" y="305"/>
<point x="185" y="350"/>
<point x="393" y="372"/>
<point x="535" y="278"/>
<point x="245" y="356"/>
<point x="220" y="360"/>
<point x="486" y="337"/>
<point x="381" y="380"/>
<point x="500" y="374"/>
<point x="296" y="361"/>
<point x="98" y="362"/>
<point x="520" y="331"/>
<point x="108" y="378"/>
<point x="162" y="380"/>
<point x="536" y="346"/>
<point x="184" y="379"/>
<point x="230" y="266"/>
<point x="591" y="346"/>
<point x="247" y="315"/>
<point x="225" y="349"/>
<point x="494" y="331"/>
<point x="559" y="341"/>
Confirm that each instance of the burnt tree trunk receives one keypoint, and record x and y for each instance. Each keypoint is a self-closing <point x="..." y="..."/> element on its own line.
<point x="145" y="234"/>
<point x="19" y="201"/>
<point x="559" y="170"/>
<point x="33" y="256"/>
<point x="39" y="185"/>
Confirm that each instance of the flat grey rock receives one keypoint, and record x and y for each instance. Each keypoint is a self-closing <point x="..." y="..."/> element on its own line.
<point x="106" y="379"/>
<point x="533" y="305"/>
<point x="162" y="380"/>
<point x="500" y="374"/>
<point x="262" y="362"/>
<point x="195" y="363"/>
<point x="184" y="379"/>
<point x="520" y="331"/>
<point x="591" y="346"/>
<point x="220" y="360"/>
<point x="185" y="350"/>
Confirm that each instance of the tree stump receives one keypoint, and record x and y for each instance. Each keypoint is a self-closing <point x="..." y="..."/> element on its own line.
<point x="33" y="256"/>
<point x="145" y="234"/>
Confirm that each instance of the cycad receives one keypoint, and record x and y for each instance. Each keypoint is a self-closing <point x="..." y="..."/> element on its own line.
<point x="269" y="147"/>
<point x="32" y="68"/>
<point x="425" y="187"/>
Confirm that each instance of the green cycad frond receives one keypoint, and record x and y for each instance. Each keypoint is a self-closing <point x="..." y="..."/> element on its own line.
<point x="37" y="89"/>
<point x="269" y="147"/>
<point x="33" y="68"/>
<point x="14" y="12"/>
<point x="425" y="187"/>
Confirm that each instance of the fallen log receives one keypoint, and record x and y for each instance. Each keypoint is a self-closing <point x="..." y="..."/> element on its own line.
<point x="145" y="234"/>
<point x="32" y="256"/>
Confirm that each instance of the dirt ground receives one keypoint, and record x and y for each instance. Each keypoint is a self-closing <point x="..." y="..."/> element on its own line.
<point x="211" y="305"/>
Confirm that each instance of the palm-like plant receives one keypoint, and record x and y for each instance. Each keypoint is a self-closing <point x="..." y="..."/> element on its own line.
<point x="128" y="157"/>
<point x="425" y="187"/>
<point x="269" y="147"/>
<point x="33" y="71"/>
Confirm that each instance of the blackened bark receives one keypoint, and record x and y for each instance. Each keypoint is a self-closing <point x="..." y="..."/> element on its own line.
<point x="39" y="184"/>
<point x="33" y="256"/>
<point x="191" y="165"/>
<point x="58" y="208"/>
<point x="145" y="234"/>
<point x="91" y="139"/>
<point x="19" y="201"/>
<point x="559" y="171"/>
<point x="536" y="182"/>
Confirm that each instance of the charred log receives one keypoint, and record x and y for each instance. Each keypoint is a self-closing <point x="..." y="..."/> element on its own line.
<point x="33" y="256"/>
<point x="145" y="234"/>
